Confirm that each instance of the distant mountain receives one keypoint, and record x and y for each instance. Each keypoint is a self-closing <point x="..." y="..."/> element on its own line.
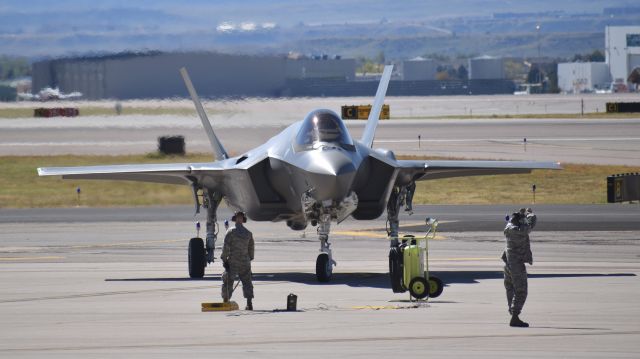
<point x="39" y="28"/>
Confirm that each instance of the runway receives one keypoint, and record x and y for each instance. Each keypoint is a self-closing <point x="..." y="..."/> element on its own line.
<point x="246" y="124"/>
<point x="104" y="282"/>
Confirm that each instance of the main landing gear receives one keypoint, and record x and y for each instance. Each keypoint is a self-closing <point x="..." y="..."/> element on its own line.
<point x="201" y="252"/>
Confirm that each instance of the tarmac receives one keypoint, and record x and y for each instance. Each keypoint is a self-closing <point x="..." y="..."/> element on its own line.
<point x="113" y="282"/>
<point x="85" y="282"/>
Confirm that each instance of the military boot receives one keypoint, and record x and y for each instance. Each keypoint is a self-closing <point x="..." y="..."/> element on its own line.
<point x="249" y="304"/>
<point x="516" y="322"/>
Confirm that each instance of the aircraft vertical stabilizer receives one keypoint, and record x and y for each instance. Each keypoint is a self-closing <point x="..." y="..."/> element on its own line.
<point x="216" y="145"/>
<point x="370" y="129"/>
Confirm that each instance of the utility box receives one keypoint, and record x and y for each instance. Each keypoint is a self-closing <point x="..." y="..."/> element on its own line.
<point x="623" y="187"/>
<point x="623" y="107"/>
<point x="56" y="112"/>
<point x="171" y="145"/>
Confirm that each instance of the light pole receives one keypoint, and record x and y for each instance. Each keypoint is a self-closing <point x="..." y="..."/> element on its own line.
<point x="539" y="60"/>
<point x="538" y="36"/>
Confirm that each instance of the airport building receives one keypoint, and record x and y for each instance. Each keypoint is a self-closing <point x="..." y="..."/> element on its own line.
<point x="155" y="75"/>
<point x="418" y="69"/>
<point x="486" y="67"/>
<point x="580" y="77"/>
<point x="622" y="58"/>
<point x="215" y="75"/>
<point x="622" y="51"/>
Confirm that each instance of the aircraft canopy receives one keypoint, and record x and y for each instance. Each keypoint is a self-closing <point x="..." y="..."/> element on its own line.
<point x="323" y="126"/>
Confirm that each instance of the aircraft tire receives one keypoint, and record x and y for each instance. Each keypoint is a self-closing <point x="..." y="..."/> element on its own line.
<point x="395" y="270"/>
<point x="419" y="288"/>
<point x="435" y="287"/>
<point x="323" y="268"/>
<point x="197" y="258"/>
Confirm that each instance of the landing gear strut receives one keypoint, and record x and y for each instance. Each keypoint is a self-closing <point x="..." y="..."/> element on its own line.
<point x="325" y="262"/>
<point x="201" y="252"/>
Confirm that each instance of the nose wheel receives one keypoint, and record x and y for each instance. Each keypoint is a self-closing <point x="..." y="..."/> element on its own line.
<point x="324" y="268"/>
<point x="325" y="262"/>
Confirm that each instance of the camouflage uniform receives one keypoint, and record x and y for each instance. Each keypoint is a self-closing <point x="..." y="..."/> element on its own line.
<point x="515" y="255"/>
<point x="237" y="251"/>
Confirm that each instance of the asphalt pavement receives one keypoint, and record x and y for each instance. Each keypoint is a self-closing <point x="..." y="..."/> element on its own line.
<point x="455" y="218"/>
<point x="100" y="283"/>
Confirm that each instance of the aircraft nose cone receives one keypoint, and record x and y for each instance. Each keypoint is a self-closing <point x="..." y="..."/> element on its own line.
<point x="332" y="174"/>
<point x="332" y="162"/>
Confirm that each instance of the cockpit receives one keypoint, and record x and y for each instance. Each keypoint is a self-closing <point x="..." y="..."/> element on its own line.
<point x="323" y="128"/>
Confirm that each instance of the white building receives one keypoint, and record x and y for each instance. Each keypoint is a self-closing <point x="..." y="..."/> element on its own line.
<point x="486" y="67"/>
<point x="622" y="50"/>
<point x="578" y="77"/>
<point x="418" y="69"/>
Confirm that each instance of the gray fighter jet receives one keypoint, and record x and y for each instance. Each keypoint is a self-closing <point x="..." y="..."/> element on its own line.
<point x="313" y="172"/>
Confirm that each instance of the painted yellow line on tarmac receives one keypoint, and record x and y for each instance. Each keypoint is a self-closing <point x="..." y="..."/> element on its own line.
<point x="13" y="259"/>
<point x="464" y="259"/>
<point x="377" y="234"/>
<point x="382" y="307"/>
<point x="138" y="243"/>
<point x="362" y="234"/>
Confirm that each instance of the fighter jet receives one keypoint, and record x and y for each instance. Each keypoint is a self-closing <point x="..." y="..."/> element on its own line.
<point x="49" y="94"/>
<point x="312" y="173"/>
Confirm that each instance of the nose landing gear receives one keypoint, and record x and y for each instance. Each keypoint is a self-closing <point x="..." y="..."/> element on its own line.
<point x="324" y="262"/>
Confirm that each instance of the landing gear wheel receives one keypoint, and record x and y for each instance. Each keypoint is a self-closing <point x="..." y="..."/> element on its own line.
<point x="197" y="258"/>
<point x="435" y="287"/>
<point x="419" y="288"/>
<point x="395" y="270"/>
<point x="324" y="268"/>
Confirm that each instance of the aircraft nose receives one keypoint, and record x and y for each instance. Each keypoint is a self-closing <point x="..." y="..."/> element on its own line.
<point x="332" y="174"/>
<point x="332" y="162"/>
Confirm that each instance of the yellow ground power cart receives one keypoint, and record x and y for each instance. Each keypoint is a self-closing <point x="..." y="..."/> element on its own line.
<point x="409" y="265"/>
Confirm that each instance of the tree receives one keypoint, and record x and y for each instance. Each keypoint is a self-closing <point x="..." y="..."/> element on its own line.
<point x="369" y="67"/>
<point x="442" y="75"/>
<point x="535" y="75"/>
<point x="596" y="56"/>
<point x="553" y="81"/>
<point x="12" y="67"/>
<point x="463" y="74"/>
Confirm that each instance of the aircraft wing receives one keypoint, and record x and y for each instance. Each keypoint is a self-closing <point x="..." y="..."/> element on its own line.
<point x="26" y="96"/>
<point x="436" y="169"/>
<point x="67" y="96"/>
<point x="171" y="173"/>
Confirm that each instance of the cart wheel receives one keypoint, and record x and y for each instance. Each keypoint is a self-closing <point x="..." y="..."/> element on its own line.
<point x="435" y="287"/>
<point x="419" y="288"/>
<point x="395" y="270"/>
